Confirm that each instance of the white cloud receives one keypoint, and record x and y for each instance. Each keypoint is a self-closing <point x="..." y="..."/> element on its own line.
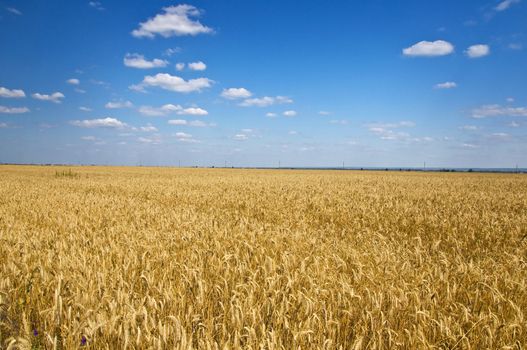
<point x="3" y="126"/>
<point x="193" y="111"/>
<point x="498" y="111"/>
<point x="514" y="124"/>
<point x="15" y="93"/>
<point x="446" y="85"/>
<point x="240" y="137"/>
<point x="99" y="123"/>
<point x="385" y="130"/>
<point x="180" y="66"/>
<point x="339" y="121"/>
<point x="290" y="113"/>
<point x="235" y="93"/>
<point x="500" y="135"/>
<point x="502" y="6"/>
<point x="271" y="115"/>
<point x="510" y="99"/>
<point x="265" y="101"/>
<point x="476" y="51"/>
<point x="469" y="145"/>
<point x="174" y="83"/>
<point x="182" y="135"/>
<point x="135" y="60"/>
<point x="73" y="81"/>
<point x="197" y="66"/>
<point x="55" y="97"/>
<point x="13" y="110"/>
<point x="88" y="138"/>
<point x="199" y="124"/>
<point x="148" y="128"/>
<point x="324" y="113"/>
<point x="170" y="108"/>
<point x="171" y="51"/>
<point x="14" y="11"/>
<point x="429" y="49"/>
<point x="96" y="5"/>
<point x="177" y="122"/>
<point x="194" y="123"/>
<point x="154" y="141"/>
<point x="85" y="109"/>
<point x="515" y="46"/>
<point x="118" y="104"/>
<point x="293" y="132"/>
<point x="175" y="21"/>
<point x="159" y="111"/>
<point x="469" y="127"/>
<point x="80" y="91"/>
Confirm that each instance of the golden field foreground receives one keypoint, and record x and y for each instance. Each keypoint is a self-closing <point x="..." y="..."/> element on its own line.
<point x="116" y="257"/>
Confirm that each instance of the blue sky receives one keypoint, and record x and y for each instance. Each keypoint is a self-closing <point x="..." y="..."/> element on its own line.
<point x="254" y="83"/>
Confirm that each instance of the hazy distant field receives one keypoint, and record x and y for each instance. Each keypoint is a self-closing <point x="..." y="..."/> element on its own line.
<point x="110" y="257"/>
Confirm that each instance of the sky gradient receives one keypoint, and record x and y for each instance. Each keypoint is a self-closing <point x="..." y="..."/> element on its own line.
<point x="247" y="83"/>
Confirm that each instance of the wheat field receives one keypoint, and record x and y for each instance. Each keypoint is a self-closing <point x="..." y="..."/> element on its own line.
<point x="161" y="258"/>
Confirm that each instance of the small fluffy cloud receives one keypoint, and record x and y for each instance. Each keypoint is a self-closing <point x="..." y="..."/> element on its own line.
<point x="55" y="97"/>
<point x="148" y="128"/>
<point x="386" y="130"/>
<point x="175" y="21"/>
<point x="469" y="127"/>
<point x="476" y="51"/>
<point x="96" y="5"/>
<point x="99" y="123"/>
<point x="180" y="66"/>
<point x="240" y="137"/>
<point x="197" y="66"/>
<point x="15" y="93"/>
<point x="501" y="135"/>
<point x="118" y="104"/>
<point x="13" y="110"/>
<point x="135" y="60"/>
<point x="184" y="137"/>
<point x="172" y="51"/>
<point x="271" y="115"/>
<point x="339" y="121"/>
<point x="174" y="83"/>
<point x="265" y="101"/>
<point x="85" y="109"/>
<point x="235" y="93"/>
<point x="496" y="110"/>
<point x="73" y="81"/>
<point x="177" y="122"/>
<point x="504" y="5"/>
<point x="170" y="108"/>
<point x="290" y="113"/>
<point x="150" y="140"/>
<point x="88" y="138"/>
<point x="446" y="85"/>
<point x="193" y="111"/>
<point x="3" y="125"/>
<point x="429" y="49"/>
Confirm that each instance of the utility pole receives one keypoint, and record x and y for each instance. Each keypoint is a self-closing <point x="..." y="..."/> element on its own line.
<point x="424" y="166"/>
<point x="279" y="164"/>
